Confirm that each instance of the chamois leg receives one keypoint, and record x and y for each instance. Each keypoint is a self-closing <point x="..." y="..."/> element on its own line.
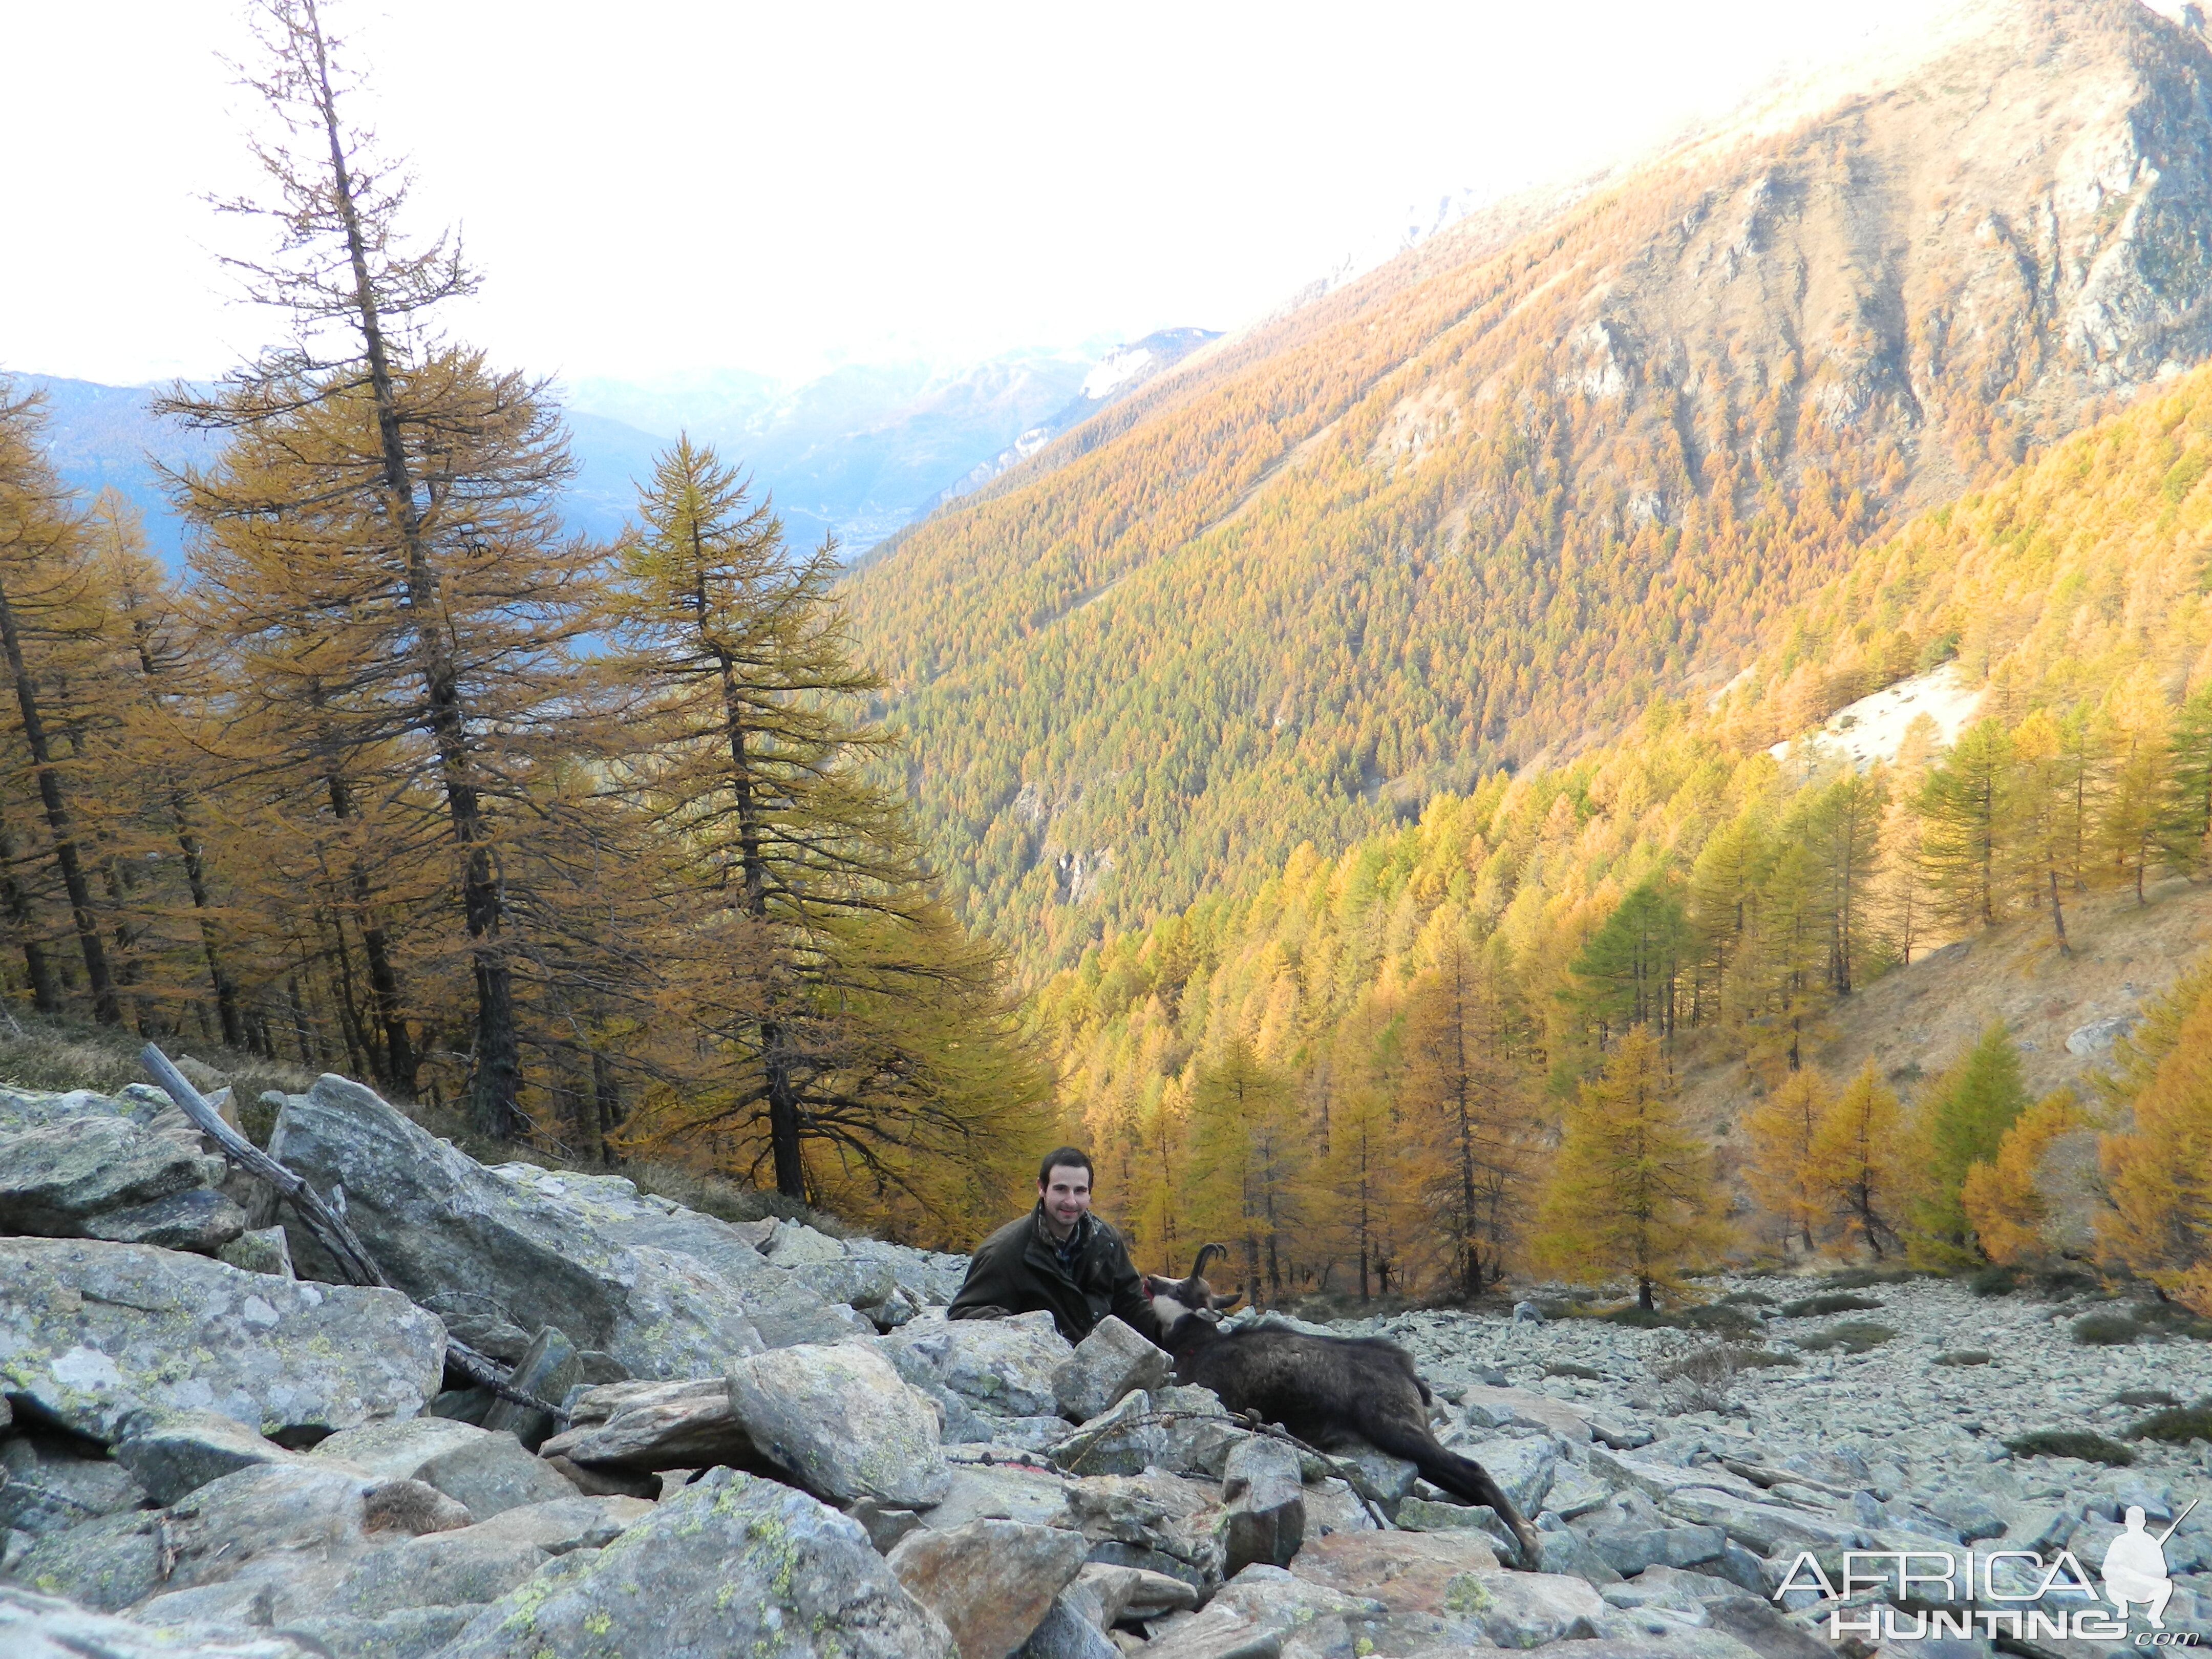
<point x="1461" y="1476"/>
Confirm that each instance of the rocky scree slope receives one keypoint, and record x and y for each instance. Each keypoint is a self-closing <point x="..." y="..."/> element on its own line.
<point x="1484" y="501"/>
<point x="772" y="1440"/>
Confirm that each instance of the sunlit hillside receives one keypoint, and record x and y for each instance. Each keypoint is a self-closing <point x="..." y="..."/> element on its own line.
<point x="1477" y="509"/>
<point x="1754" y="908"/>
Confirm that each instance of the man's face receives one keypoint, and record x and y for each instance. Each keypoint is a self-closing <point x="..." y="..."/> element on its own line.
<point x="1067" y="1194"/>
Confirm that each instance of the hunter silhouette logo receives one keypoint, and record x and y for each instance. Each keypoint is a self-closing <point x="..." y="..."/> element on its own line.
<point x="2134" y="1566"/>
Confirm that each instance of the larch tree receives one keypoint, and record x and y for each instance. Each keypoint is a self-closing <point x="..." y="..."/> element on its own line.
<point x="52" y="622"/>
<point x="1247" y="1156"/>
<point x="1857" y="1158"/>
<point x="2047" y="801"/>
<point x="2157" y="1159"/>
<point x="434" y="606"/>
<point x="2139" y="780"/>
<point x="845" y="1014"/>
<point x="1631" y="1190"/>
<point x="1781" y="1171"/>
<point x="2003" y="1197"/>
<point x="1463" y="1091"/>
<point x="2184" y="815"/>
<point x="1961" y="808"/>
<point x="1960" y="1123"/>
<point x="1629" y="972"/>
<point x="1844" y="827"/>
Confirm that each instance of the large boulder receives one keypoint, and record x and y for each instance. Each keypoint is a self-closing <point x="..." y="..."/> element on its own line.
<point x="172" y="1453"/>
<point x="49" y="1483"/>
<point x="1262" y="1606"/>
<point x="843" y="1422"/>
<point x="57" y="1179"/>
<point x="94" y="1333"/>
<point x="488" y="1472"/>
<point x="198" y="1218"/>
<point x="666" y="1292"/>
<point x="1000" y="1367"/>
<point x="34" y="1626"/>
<point x="1114" y="1360"/>
<point x="731" y="1564"/>
<point x="992" y="1582"/>
<point x="298" y="1529"/>
<point x="644" y="1426"/>
<point x="1266" y="1507"/>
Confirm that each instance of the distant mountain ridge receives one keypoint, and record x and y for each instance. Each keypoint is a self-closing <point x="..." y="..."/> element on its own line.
<point x="1472" y="509"/>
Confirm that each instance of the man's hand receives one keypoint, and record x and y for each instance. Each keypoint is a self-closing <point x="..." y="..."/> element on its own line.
<point x="987" y="1312"/>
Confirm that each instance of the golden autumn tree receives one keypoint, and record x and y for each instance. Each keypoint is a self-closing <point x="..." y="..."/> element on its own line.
<point x="1247" y="1157"/>
<point x="1631" y="1190"/>
<point x="1959" y="1124"/>
<point x="855" y="1039"/>
<point x="1463" y="1092"/>
<point x="2002" y="1197"/>
<point x="2157" y="1160"/>
<point x="1781" y="1170"/>
<point x="1856" y="1158"/>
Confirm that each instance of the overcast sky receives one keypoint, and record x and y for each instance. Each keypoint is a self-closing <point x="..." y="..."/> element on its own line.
<point x="665" y="186"/>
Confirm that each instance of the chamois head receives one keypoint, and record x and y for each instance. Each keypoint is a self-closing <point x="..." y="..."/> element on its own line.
<point x="1177" y="1300"/>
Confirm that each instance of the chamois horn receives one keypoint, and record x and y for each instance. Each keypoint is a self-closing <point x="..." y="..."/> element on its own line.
<point x="1205" y="1254"/>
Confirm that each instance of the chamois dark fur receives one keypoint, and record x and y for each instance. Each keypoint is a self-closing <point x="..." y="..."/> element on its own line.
<point x="1324" y="1390"/>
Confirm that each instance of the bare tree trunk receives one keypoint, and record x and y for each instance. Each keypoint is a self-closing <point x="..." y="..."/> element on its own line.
<point x="105" y="1006"/>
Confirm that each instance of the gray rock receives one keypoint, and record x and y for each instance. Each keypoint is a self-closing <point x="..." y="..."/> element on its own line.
<point x="440" y="1570"/>
<point x="1035" y="1434"/>
<point x="1762" y="1528"/>
<point x="231" y="1603"/>
<point x="1488" y="1407"/>
<point x="731" y="1564"/>
<point x="1001" y="1367"/>
<point x="2099" y="1036"/>
<point x="1973" y="1517"/>
<point x="979" y="1492"/>
<point x="561" y="1524"/>
<point x="666" y="1292"/>
<point x="49" y="1483"/>
<point x="669" y="1426"/>
<point x="1163" y="1523"/>
<point x="35" y="1627"/>
<point x="1562" y="1551"/>
<point x="200" y="1218"/>
<point x="408" y="1633"/>
<point x="1631" y="1552"/>
<point x="990" y="1582"/>
<point x="1265" y="1498"/>
<point x="1122" y="1441"/>
<point x="1110" y="1362"/>
<point x="95" y="1333"/>
<point x="1105" y="1595"/>
<point x="1524" y="1466"/>
<point x="287" y="1513"/>
<point x="546" y="1370"/>
<point x="1262" y="1606"/>
<point x="260" y="1250"/>
<point x="1423" y="1515"/>
<point x="58" y="1177"/>
<point x="849" y="1280"/>
<point x="172" y="1453"/>
<point x="1390" y="1479"/>
<point x="843" y="1422"/>
<point x="484" y="1471"/>
<point x="1066" y="1634"/>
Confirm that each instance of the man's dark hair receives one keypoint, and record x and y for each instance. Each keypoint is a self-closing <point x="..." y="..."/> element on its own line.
<point x="1062" y="1157"/>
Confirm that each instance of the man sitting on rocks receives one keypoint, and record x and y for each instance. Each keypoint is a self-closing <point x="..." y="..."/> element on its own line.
<point x="1058" y="1258"/>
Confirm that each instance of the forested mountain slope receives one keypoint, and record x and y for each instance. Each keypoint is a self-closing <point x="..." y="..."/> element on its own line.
<point x="1753" y="908"/>
<point x="1476" y="508"/>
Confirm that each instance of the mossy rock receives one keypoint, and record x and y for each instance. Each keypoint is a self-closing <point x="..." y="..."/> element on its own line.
<point x="2105" y="1330"/>
<point x="2143" y="1397"/>
<point x="1826" y="1303"/>
<point x="1852" y="1336"/>
<point x="2070" y="1442"/>
<point x="1568" y="1367"/>
<point x="2177" y="1425"/>
<point x="1964" y="1356"/>
<point x="1860" y="1278"/>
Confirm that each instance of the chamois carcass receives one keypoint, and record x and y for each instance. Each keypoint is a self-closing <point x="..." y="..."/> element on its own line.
<point x="1324" y="1389"/>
